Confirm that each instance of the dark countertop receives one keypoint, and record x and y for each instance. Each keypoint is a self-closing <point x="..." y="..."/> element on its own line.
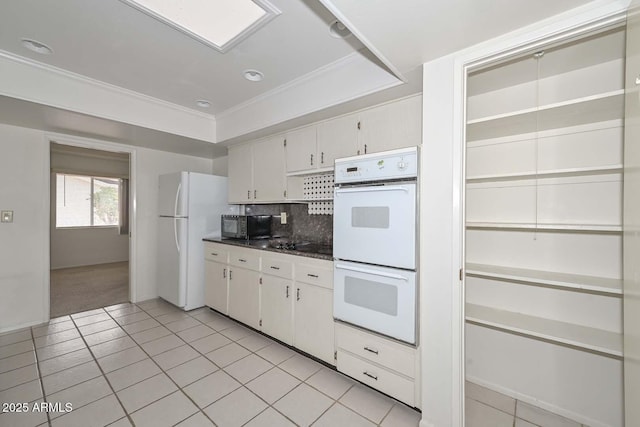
<point x="311" y="250"/>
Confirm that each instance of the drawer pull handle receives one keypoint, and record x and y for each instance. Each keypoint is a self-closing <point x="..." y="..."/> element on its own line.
<point x="370" y="350"/>
<point x="274" y="268"/>
<point x="242" y="260"/>
<point x="214" y="254"/>
<point x="298" y="294"/>
<point x="370" y="375"/>
<point x="312" y="275"/>
<point x="287" y="291"/>
<point x="224" y="273"/>
<point x="230" y="277"/>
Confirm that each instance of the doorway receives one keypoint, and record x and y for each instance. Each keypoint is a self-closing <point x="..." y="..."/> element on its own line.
<point x="89" y="231"/>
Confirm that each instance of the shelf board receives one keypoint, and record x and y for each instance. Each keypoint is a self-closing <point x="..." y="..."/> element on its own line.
<point x="588" y="338"/>
<point x="547" y="174"/>
<point x="548" y="227"/>
<point x="595" y="108"/>
<point x="549" y="278"/>
<point x="319" y="171"/>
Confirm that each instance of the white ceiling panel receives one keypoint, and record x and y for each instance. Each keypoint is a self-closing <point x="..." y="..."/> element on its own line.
<point x="111" y="41"/>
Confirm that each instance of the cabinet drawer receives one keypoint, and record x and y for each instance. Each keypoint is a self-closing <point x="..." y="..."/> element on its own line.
<point x="377" y="377"/>
<point x="384" y="352"/>
<point x="248" y="259"/>
<point x="277" y="267"/>
<point x="216" y="252"/>
<point x="315" y="274"/>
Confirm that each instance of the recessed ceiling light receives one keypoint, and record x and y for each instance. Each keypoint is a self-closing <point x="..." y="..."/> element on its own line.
<point x="37" y="47"/>
<point x="203" y="103"/>
<point x="338" y="30"/>
<point x="253" y="75"/>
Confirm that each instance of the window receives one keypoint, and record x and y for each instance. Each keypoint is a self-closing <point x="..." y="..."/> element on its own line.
<point x="87" y="201"/>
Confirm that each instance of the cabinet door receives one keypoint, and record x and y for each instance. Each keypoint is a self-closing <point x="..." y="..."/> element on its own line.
<point x="276" y="298"/>
<point x="216" y="285"/>
<point x="240" y="174"/>
<point x="314" y="328"/>
<point x="390" y="126"/>
<point x="337" y="138"/>
<point x="269" y="170"/>
<point x="301" y="149"/>
<point x="244" y="296"/>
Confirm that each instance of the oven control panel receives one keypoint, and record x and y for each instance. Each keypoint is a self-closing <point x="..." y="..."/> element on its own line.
<point x="395" y="164"/>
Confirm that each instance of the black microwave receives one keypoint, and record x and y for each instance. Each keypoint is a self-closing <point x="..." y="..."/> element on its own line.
<point x="246" y="226"/>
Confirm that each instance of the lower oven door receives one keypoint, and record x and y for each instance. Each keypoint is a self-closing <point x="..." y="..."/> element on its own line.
<point x="377" y="298"/>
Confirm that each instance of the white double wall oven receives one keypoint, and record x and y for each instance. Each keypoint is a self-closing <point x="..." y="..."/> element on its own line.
<point x="374" y="246"/>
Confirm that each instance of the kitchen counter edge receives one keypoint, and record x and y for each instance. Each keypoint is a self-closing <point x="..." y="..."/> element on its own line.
<point x="246" y="244"/>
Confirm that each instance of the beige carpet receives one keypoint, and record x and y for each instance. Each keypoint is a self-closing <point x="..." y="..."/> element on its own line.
<point x="85" y="288"/>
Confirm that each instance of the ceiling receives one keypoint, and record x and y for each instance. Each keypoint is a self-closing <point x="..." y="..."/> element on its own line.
<point x="406" y="33"/>
<point x="113" y="42"/>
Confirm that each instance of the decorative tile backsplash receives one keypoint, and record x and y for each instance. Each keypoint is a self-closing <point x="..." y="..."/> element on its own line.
<point x="300" y="224"/>
<point x="318" y="189"/>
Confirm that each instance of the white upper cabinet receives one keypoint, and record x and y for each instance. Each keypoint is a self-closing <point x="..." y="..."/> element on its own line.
<point x="301" y="149"/>
<point x="390" y="126"/>
<point x="240" y="174"/>
<point x="269" y="170"/>
<point x="257" y="172"/>
<point x="337" y="138"/>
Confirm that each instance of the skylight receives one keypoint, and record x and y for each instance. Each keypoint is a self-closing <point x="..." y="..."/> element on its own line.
<point x="218" y="23"/>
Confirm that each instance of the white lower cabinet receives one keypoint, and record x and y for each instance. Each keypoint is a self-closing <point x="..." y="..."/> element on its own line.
<point x="216" y="291"/>
<point x="285" y="296"/>
<point x="383" y="364"/>
<point x="244" y="293"/>
<point x="314" y="327"/>
<point x="276" y="300"/>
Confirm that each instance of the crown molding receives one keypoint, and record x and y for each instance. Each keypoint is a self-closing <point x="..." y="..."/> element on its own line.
<point x="33" y="81"/>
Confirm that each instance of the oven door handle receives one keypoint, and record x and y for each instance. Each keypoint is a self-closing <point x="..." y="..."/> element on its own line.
<point x="371" y="189"/>
<point x="372" y="272"/>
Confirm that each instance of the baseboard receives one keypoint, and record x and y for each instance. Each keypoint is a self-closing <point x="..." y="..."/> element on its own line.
<point x="88" y="265"/>
<point x="22" y="326"/>
<point x="538" y="403"/>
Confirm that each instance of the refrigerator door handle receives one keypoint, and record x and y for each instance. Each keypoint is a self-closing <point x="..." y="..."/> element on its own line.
<point x="175" y="233"/>
<point x="175" y="207"/>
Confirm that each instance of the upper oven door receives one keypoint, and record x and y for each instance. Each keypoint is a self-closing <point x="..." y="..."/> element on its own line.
<point x="376" y="224"/>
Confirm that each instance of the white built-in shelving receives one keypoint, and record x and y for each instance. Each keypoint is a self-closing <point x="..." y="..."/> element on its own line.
<point x="544" y="144"/>
<point x="583" y="337"/>
<point x="576" y="282"/>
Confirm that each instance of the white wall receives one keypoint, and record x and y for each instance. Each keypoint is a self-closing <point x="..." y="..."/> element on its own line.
<point x="24" y="244"/>
<point x="221" y="166"/>
<point x="150" y="164"/>
<point x="438" y="261"/>
<point x="441" y="240"/>
<point x="73" y="247"/>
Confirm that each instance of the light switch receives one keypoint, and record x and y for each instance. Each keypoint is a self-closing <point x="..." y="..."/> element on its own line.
<point x="6" y="216"/>
<point x="283" y="217"/>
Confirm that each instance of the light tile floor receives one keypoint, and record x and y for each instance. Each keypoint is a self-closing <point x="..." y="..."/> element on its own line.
<point x="150" y="364"/>
<point x="487" y="408"/>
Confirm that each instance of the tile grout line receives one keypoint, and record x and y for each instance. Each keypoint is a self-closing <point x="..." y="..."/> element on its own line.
<point x="270" y="341"/>
<point x="104" y="375"/>
<point x="335" y="401"/>
<point x="167" y="375"/>
<point x="221" y="368"/>
<point x="44" y="394"/>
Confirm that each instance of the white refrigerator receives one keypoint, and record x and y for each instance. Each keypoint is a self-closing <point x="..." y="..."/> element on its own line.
<point x="189" y="208"/>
